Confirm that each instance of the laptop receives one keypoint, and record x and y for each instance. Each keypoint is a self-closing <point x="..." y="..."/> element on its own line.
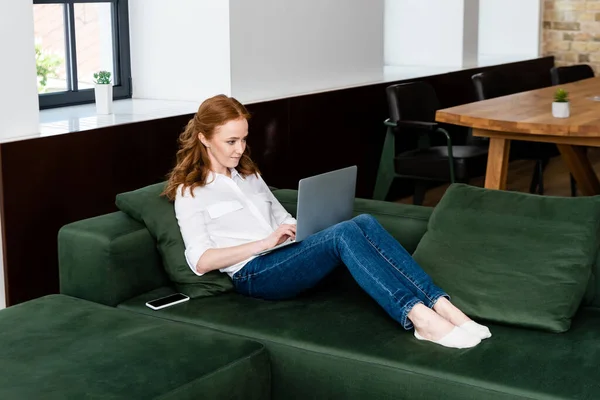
<point x="323" y="201"/>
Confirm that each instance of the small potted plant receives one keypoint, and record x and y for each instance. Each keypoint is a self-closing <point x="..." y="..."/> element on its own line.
<point x="560" y="107"/>
<point x="103" y="91"/>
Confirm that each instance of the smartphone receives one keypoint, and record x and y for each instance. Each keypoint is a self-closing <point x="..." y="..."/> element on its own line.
<point x="167" y="301"/>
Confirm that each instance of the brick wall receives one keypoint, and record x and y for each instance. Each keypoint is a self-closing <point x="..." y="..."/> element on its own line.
<point x="571" y="32"/>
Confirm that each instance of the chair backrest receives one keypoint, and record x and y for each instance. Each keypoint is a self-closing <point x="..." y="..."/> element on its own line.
<point x="572" y="73"/>
<point x="504" y="81"/>
<point x="491" y="84"/>
<point x="413" y="101"/>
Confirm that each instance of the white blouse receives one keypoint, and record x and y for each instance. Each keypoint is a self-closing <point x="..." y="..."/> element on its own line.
<point x="227" y="212"/>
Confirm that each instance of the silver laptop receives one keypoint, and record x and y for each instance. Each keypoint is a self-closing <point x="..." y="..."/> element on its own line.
<point x="323" y="201"/>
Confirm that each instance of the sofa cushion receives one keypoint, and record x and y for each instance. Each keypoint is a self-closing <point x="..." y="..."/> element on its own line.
<point x="59" y="347"/>
<point x="511" y="257"/>
<point x="147" y="206"/>
<point x="337" y="343"/>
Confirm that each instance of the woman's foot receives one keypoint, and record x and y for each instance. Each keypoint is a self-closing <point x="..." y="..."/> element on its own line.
<point x="483" y="332"/>
<point x="457" y="338"/>
<point x="432" y="327"/>
<point x="449" y="311"/>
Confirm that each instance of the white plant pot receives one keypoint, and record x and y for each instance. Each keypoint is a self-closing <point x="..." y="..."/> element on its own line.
<point x="104" y="98"/>
<point x="561" y="110"/>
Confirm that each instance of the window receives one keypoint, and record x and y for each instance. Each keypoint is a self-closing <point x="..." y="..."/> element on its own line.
<point x="74" y="39"/>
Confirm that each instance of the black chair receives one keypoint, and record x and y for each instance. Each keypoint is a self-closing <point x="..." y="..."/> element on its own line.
<point x="564" y="75"/>
<point x="492" y="84"/>
<point x="573" y="73"/>
<point x="412" y="108"/>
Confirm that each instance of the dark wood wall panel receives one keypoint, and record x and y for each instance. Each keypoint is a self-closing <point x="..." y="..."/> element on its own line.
<point x="336" y="129"/>
<point x="269" y="140"/>
<point x="49" y="182"/>
<point x="52" y="181"/>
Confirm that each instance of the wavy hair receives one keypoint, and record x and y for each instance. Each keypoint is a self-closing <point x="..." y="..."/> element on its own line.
<point x="193" y="165"/>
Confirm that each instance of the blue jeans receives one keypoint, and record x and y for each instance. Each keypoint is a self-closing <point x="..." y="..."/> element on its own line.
<point x="378" y="263"/>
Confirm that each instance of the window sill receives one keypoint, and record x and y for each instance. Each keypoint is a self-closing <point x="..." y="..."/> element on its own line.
<point x="57" y="121"/>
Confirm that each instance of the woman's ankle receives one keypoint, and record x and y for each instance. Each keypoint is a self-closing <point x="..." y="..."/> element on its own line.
<point x="428" y="323"/>
<point x="450" y="312"/>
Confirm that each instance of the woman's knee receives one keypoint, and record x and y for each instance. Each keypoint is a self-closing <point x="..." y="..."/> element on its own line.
<point x="346" y="228"/>
<point x="355" y="226"/>
<point x="345" y="225"/>
<point x="364" y="220"/>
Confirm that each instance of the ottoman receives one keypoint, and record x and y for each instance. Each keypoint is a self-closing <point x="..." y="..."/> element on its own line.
<point x="60" y="347"/>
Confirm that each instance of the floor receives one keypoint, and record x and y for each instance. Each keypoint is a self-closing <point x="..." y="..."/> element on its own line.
<point x="556" y="179"/>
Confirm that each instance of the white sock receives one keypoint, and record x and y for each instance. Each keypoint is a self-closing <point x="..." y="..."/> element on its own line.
<point x="476" y="329"/>
<point x="457" y="338"/>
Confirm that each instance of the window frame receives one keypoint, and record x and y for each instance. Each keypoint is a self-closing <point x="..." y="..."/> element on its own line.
<point x="121" y="55"/>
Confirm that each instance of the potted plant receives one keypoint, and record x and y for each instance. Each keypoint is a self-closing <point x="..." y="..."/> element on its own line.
<point x="103" y="90"/>
<point x="560" y="107"/>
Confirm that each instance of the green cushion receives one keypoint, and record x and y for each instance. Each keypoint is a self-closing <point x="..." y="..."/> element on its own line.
<point x="59" y="347"/>
<point x="158" y="214"/>
<point x="511" y="257"/>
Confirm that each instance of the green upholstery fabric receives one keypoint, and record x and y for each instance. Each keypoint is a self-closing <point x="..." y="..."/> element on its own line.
<point x="590" y="297"/>
<point x="337" y="343"/>
<point x="59" y="347"/>
<point x="108" y="259"/>
<point x="511" y="257"/>
<point x="157" y="213"/>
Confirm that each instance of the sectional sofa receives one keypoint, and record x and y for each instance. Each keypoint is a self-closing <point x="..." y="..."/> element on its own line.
<point x="335" y="342"/>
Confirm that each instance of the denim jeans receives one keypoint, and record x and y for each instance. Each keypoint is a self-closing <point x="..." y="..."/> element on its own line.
<point x="378" y="263"/>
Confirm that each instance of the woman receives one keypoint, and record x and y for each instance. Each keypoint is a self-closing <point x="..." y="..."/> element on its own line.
<point x="227" y="214"/>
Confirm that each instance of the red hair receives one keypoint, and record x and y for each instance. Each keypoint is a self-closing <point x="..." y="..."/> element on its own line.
<point x="193" y="165"/>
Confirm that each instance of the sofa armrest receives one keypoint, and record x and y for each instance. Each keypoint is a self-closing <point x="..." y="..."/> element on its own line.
<point x="108" y="259"/>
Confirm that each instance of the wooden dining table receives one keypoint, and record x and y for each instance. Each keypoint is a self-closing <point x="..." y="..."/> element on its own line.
<point x="528" y="116"/>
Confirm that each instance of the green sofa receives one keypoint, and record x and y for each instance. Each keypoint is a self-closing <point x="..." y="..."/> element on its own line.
<point x="335" y="342"/>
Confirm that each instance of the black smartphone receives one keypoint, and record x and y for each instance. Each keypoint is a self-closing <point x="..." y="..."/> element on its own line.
<point x="167" y="301"/>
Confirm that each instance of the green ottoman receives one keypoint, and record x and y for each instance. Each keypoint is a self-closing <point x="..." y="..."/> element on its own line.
<point x="60" y="347"/>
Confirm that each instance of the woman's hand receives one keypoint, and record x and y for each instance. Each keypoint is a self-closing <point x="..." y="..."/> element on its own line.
<point x="283" y="233"/>
<point x="217" y="258"/>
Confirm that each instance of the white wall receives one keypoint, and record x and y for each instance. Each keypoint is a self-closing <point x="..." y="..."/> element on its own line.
<point x="430" y="32"/>
<point x="283" y="47"/>
<point x="510" y="28"/>
<point x="179" y="49"/>
<point x="19" y="108"/>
